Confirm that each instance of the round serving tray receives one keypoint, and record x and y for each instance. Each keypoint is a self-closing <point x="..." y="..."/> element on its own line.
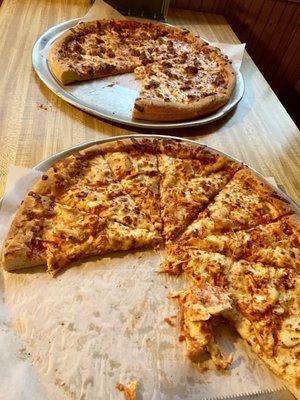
<point x="46" y="164"/>
<point x="112" y="98"/>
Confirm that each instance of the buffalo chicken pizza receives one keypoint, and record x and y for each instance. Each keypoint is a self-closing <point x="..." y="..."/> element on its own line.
<point x="235" y="238"/>
<point x="181" y="76"/>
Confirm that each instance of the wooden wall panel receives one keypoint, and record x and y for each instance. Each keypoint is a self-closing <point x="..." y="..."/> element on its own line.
<point x="270" y="29"/>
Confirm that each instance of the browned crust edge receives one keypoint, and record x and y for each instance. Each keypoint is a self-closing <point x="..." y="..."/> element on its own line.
<point x="160" y="110"/>
<point x="245" y="175"/>
<point x="15" y="252"/>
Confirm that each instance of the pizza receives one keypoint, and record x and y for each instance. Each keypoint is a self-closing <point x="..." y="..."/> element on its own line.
<point x="191" y="179"/>
<point x="182" y="77"/>
<point x="199" y="306"/>
<point x="129" y="390"/>
<point x="245" y="202"/>
<point x="235" y="238"/>
<point x="185" y="87"/>
<point x="77" y="209"/>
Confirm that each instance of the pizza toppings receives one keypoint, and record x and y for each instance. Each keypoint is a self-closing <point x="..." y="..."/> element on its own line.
<point x="199" y="305"/>
<point x="190" y="182"/>
<point x="129" y="390"/>
<point x="181" y="77"/>
<point x="184" y="82"/>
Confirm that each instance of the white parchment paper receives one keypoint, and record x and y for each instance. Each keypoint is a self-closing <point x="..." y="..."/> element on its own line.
<point x="102" y="322"/>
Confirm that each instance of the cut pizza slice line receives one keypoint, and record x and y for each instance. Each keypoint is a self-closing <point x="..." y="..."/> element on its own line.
<point x="76" y="234"/>
<point x="245" y="202"/>
<point x="85" y="181"/>
<point x="199" y="307"/>
<point x="194" y="83"/>
<point x="134" y="164"/>
<point x="187" y="186"/>
<point x="44" y="231"/>
<point x="276" y="243"/>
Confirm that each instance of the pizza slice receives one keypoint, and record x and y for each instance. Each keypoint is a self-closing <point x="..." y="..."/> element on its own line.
<point x="134" y="165"/>
<point x="245" y="202"/>
<point x="267" y="314"/>
<point x="199" y="307"/>
<point x="76" y="234"/>
<point x="44" y="231"/>
<point x="76" y="210"/>
<point x="196" y="82"/>
<point x="91" y="50"/>
<point x="276" y="243"/>
<point x="24" y="245"/>
<point x="188" y="184"/>
<point x="86" y="167"/>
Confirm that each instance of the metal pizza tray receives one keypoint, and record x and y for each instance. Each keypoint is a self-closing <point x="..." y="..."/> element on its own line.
<point x="44" y="165"/>
<point x="112" y="98"/>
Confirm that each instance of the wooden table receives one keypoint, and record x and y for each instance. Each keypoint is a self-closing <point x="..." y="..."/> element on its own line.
<point x="34" y="123"/>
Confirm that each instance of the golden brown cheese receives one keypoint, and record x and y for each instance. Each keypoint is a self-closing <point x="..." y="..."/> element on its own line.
<point x="187" y="185"/>
<point x="242" y="251"/>
<point x="268" y="313"/>
<point x="138" y="173"/>
<point x="199" y="305"/>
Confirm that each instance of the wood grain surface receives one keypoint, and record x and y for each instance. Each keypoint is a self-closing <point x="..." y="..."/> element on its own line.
<point x="35" y="123"/>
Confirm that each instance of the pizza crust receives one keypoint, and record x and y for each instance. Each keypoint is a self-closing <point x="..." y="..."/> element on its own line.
<point x="159" y="110"/>
<point x="18" y="252"/>
<point x="57" y="66"/>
